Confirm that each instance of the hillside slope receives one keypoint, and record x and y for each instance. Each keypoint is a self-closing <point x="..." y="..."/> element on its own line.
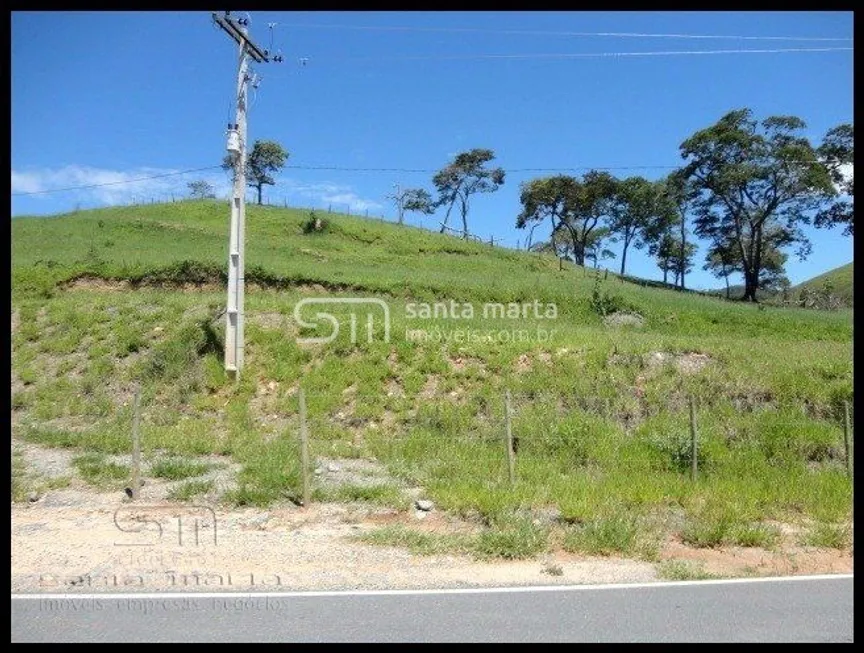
<point x="104" y="300"/>
<point x="840" y="282"/>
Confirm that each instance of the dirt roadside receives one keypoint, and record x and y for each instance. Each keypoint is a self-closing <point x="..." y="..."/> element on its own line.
<point x="74" y="541"/>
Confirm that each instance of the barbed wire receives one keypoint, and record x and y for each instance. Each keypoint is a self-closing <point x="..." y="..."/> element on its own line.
<point x="115" y="183"/>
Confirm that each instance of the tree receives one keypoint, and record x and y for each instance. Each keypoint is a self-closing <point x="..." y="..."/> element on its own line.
<point x="720" y="261"/>
<point x="594" y="248"/>
<point x="465" y="177"/>
<point x="681" y="194"/>
<point x="546" y="198"/>
<point x="634" y="215"/>
<point x="837" y="153"/>
<point x="574" y="208"/>
<point x="723" y="260"/>
<point x="753" y="178"/>
<point x="412" y="199"/>
<point x="663" y="250"/>
<point x="265" y="158"/>
<point x="681" y="260"/>
<point x="200" y="189"/>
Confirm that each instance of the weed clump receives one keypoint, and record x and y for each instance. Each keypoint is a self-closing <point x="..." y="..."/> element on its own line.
<point x="314" y="224"/>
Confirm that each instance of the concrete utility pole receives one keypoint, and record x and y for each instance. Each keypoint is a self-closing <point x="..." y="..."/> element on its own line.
<point x="234" y="314"/>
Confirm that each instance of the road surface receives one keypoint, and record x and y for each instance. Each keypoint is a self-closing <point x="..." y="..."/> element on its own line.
<point x="802" y="609"/>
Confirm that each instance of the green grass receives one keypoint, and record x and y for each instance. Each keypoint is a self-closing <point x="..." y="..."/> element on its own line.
<point x="415" y="541"/>
<point x="175" y="469"/>
<point x="189" y="490"/>
<point x="683" y="570"/>
<point x="756" y="535"/>
<point x="380" y="494"/>
<point x="602" y="428"/>
<point x="620" y="534"/>
<point x="96" y="470"/>
<point x="513" y="541"/>
<point x="828" y="536"/>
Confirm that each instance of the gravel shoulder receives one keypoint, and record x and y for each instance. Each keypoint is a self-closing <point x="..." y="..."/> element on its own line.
<point x="62" y="548"/>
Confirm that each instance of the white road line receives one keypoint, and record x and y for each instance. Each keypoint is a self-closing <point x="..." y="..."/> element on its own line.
<point x="466" y="590"/>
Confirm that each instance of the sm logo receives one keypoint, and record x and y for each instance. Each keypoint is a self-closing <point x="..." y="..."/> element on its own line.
<point x="321" y="317"/>
<point x="161" y="524"/>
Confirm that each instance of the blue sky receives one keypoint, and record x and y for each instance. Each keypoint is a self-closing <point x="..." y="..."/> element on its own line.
<point x="109" y="96"/>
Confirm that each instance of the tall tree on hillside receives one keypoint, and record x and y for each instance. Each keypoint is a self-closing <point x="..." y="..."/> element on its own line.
<point x="416" y="200"/>
<point x="680" y="191"/>
<point x="837" y="153"/>
<point x="574" y="208"/>
<point x="638" y="215"/>
<point x="723" y="260"/>
<point x="266" y="158"/>
<point x="589" y="209"/>
<point x="546" y="198"/>
<point x="754" y="178"/>
<point x="467" y="175"/>
<point x="663" y="251"/>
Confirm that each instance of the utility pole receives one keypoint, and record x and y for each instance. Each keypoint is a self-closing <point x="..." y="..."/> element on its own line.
<point x="237" y="29"/>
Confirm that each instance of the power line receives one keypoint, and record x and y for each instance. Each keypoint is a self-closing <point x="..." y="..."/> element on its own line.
<point x="582" y="55"/>
<point x="463" y="30"/>
<point x="116" y="183"/>
<point x="511" y="170"/>
<point x="330" y="168"/>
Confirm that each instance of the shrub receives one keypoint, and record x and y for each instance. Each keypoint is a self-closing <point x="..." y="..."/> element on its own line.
<point x="314" y="224"/>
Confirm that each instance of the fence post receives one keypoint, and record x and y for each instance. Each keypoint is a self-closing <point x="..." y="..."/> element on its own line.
<point x="304" y="447"/>
<point x="847" y="438"/>
<point x="693" y="450"/>
<point x="136" y="445"/>
<point x="511" y="455"/>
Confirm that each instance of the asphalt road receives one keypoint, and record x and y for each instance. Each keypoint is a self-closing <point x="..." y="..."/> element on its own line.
<point x="814" y="609"/>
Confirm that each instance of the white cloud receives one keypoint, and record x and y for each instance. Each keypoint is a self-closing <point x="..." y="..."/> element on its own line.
<point x="113" y="186"/>
<point x="130" y="185"/>
<point x="847" y="170"/>
<point x="339" y="195"/>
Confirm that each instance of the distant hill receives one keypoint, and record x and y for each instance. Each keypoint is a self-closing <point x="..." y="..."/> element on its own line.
<point x="840" y="280"/>
<point x="736" y="291"/>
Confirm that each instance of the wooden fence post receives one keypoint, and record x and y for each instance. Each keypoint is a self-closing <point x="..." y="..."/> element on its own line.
<point x="511" y="454"/>
<point x="847" y="438"/>
<point x="693" y="448"/>
<point x="304" y="448"/>
<point x="136" y="445"/>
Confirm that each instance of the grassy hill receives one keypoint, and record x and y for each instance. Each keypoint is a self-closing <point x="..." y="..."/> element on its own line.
<point x="105" y="299"/>
<point x="839" y="287"/>
<point x="839" y="280"/>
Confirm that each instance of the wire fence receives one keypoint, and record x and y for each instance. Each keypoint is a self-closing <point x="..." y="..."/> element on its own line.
<point x="323" y="446"/>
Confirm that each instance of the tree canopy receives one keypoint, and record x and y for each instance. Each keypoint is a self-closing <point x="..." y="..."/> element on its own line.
<point x="467" y="175"/>
<point x="754" y="179"/>
<point x="266" y="158"/>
